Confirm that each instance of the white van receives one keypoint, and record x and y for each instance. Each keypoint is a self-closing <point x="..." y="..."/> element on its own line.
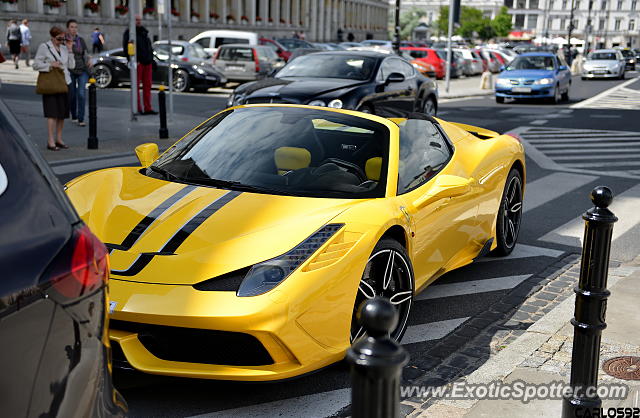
<point x="210" y="40"/>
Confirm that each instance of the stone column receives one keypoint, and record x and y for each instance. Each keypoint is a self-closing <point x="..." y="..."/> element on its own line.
<point x="275" y="12"/>
<point x="107" y="8"/>
<point x="251" y="12"/>
<point x="223" y="11"/>
<point x="185" y="10"/>
<point x="264" y="11"/>
<point x="321" y="22"/>
<point x="286" y="11"/>
<point x="313" y="20"/>
<point x="204" y="8"/>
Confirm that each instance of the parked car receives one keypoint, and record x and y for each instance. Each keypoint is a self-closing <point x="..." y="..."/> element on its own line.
<point x="531" y="75"/>
<point x="423" y="67"/>
<point x="372" y="82"/>
<point x="493" y="64"/>
<point x="292" y="43"/>
<point x="328" y="46"/>
<point x="349" y="44"/>
<point x="473" y="64"/>
<point x="183" y="51"/>
<point x="247" y="62"/>
<point x="111" y="68"/>
<point x="54" y="305"/>
<point x="212" y="39"/>
<point x="604" y="63"/>
<point x="303" y="51"/>
<point x="279" y="49"/>
<point x="457" y="62"/>
<point x="376" y="43"/>
<point x="429" y="56"/>
<point x="630" y="58"/>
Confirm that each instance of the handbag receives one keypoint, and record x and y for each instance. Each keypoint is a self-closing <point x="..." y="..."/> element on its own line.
<point x="51" y="82"/>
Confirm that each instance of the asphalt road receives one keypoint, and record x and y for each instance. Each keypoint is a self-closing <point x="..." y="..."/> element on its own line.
<point x="557" y="193"/>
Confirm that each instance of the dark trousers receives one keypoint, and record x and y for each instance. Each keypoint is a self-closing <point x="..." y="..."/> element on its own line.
<point x="144" y="77"/>
<point x="78" y="94"/>
<point x="97" y="48"/>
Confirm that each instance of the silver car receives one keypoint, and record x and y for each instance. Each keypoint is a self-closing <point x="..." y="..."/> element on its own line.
<point x="605" y="63"/>
<point x="240" y="62"/>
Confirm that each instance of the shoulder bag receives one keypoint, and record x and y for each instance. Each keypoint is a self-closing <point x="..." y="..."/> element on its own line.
<point x="51" y="82"/>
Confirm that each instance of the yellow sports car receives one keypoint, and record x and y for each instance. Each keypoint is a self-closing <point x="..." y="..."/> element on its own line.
<point x="243" y="251"/>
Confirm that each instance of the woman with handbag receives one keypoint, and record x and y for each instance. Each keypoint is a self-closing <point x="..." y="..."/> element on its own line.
<point x="53" y="61"/>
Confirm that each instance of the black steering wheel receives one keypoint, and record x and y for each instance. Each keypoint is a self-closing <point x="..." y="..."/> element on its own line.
<point x="351" y="167"/>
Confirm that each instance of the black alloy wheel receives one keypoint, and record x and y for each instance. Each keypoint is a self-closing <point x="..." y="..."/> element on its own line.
<point x="429" y="107"/>
<point x="103" y="76"/>
<point x="509" y="215"/>
<point x="180" y="81"/>
<point x="388" y="274"/>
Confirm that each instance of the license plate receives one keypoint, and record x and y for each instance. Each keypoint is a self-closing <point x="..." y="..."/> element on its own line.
<point x="600" y="71"/>
<point x="234" y="68"/>
<point x="521" y="89"/>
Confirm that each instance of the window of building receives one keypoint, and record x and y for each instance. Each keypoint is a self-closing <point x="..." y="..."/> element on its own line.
<point x="532" y="21"/>
<point x="521" y="4"/>
<point x="603" y="5"/>
<point x="564" y="4"/>
<point x="601" y="24"/>
<point x="533" y="4"/>
<point x="632" y="24"/>
<point x="508" y="3"/>
<point x="578" y="3"/>
<point x="617" y="24"/>
<point x="563" y="23"/>
<point x="619" y="5"/>
<point x="576" y="24"/>
<point x="551" y="4"/>
<point x="634" y="3"/>
<point x="519" y="23"/>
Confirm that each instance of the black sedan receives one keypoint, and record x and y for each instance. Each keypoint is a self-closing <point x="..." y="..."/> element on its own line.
<point x="111" y="68"/>
<point x="54" y="350"/>
<point x="371" y="82"/>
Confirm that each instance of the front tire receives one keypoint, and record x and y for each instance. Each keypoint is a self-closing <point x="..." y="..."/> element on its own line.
<point x="103" y="76"/>
<point x="180" y="81"/>
<point x="499" y="99"/>
<point x="389" y="274"/>
<point x="429" y="106"/>
<point x="509" y="215"/>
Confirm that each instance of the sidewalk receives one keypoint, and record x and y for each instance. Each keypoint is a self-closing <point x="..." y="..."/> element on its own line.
<point x="464" y="87"/>
<point x="542" y="353"/>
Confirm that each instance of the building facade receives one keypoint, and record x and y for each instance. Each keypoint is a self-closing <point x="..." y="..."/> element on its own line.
<point x="318" y="19"/>
<point x="613" y="22"/>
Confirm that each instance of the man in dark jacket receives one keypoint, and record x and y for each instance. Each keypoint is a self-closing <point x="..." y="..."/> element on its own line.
<point x="144" y="55"/>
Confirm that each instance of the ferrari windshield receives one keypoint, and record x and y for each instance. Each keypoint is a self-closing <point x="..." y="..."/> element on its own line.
<point x="532" y="62"/>
<point x="282" y="150"/>
<point x="348" y="66"/>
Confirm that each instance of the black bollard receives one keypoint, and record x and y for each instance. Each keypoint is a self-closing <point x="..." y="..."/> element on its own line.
<point x="591" y="304"/>
<point x="162" y="102"/>
<point x="376" y="363"/>
<point x="92" y="140"/>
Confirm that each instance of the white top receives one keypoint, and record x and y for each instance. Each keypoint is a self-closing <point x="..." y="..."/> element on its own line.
<point x="45" y="56"/>
<point x="26" y="35"/>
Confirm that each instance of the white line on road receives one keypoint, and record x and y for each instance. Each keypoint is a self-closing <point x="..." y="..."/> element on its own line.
<point x="539" y="122"/>
<point x="599" y="97"/>
<point x="542" y="160"/>
<point x="625" y="207"/>
<point x="431" y="331"/>
<point x="317" y="405"/>
<point x="525" y="251"/>
<point x="471" y="287"/>
<point x="552" y="186"/>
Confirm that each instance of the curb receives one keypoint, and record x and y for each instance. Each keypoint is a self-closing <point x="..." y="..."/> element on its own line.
<point x="463" y="96"/>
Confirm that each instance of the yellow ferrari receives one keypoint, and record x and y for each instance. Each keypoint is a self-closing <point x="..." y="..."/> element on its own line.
<point x="245" y="249"/>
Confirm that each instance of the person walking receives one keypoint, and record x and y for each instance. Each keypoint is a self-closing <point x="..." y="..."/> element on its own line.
<point x="79" y="73"/>
<point x="25" y="32"/>
<point x="55" y="54"/>
<point x="144" y="55"/>
<point x="97" y="39"/>
<point x="14" y="38"/>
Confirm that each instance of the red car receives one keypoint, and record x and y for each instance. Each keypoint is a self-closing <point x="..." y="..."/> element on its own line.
<point x="280" y="49"/>
<point x="429" y="56"/>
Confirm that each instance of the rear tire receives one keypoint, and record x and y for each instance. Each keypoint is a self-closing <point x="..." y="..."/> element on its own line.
<point x="509" y="215"/>
<point x="565" y="95"/>
<point x="388" y="264"/>
<point x="180" y="81"/>
<point x="499" y="99"/>
<point x="103" y="76"/>
<point x="429" y="107"/>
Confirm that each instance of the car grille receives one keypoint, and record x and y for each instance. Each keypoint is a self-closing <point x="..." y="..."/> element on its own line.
<point x="252" y="100"/>
<point x="195" y="345"/>
<point x="515" y="82"/>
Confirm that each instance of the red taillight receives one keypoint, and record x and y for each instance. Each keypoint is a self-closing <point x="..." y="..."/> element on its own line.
<point x="185" y="59"/>
<point x="82" y="267"/>
<point x="255" y="59"/>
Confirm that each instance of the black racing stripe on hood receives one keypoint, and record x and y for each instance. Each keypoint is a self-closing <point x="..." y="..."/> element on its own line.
<point x="146" y="222"/>
<point x="180" y="236"/>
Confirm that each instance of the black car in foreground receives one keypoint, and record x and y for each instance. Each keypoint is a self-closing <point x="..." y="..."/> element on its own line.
<point x="54" y="348"/>
<point x="372" y="82"/>
<point x="111" y="68"/>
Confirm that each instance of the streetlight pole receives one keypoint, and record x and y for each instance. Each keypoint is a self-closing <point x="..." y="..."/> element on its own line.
<point x="449" y="52"/>
<point x="588" y="29"/>
<point x="569" y="55"/>
<point x="396" y="43"/>
<point x="133" y="65"/>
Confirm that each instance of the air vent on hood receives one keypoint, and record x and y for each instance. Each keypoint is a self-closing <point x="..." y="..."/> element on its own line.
<point x="337" y="249"/>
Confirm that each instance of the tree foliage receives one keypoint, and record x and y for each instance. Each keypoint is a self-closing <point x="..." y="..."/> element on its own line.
<point x="408" y="21"/>
<point x="502" y="22"/>
<point x="474" y="24"/>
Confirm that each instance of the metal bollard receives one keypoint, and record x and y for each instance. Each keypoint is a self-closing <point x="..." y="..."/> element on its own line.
<point x="162" y="102"/>
<point x="376" y="363"/>
<point x="591" y="304"/>
<point x="92" y="140"/>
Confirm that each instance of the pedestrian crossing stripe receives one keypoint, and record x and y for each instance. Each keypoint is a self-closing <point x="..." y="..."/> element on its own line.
<point x="618" y="97"/>
<point x="584" y="151"/>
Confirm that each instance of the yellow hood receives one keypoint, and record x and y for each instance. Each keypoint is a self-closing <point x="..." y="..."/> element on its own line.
<point x="173" y="233"/>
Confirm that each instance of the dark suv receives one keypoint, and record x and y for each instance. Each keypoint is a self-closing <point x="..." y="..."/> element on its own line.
<point x="54" y="350"/>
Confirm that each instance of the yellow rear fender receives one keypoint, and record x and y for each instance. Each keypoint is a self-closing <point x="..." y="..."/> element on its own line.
<point x="476" y="130"/>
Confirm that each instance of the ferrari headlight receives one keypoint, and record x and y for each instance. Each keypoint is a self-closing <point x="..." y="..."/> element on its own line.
<point x="504" y="82"/>
<point x="317" y="103"/>
<point x="544" y="81"/>
<point x="266" y="275"/>
<point x="336" y="104"/>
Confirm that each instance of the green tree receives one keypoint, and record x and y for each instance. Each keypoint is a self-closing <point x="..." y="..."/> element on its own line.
<point x="502" y="22"/>
<point x="472" y="23"/>
<point x="408" y="21"/>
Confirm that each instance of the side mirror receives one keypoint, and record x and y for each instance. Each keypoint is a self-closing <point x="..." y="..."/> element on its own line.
<point x="147" y="153"/>
<point x="445" y="186"/>
<point x="395" y="78"/>
<point x="563" y="68"/>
